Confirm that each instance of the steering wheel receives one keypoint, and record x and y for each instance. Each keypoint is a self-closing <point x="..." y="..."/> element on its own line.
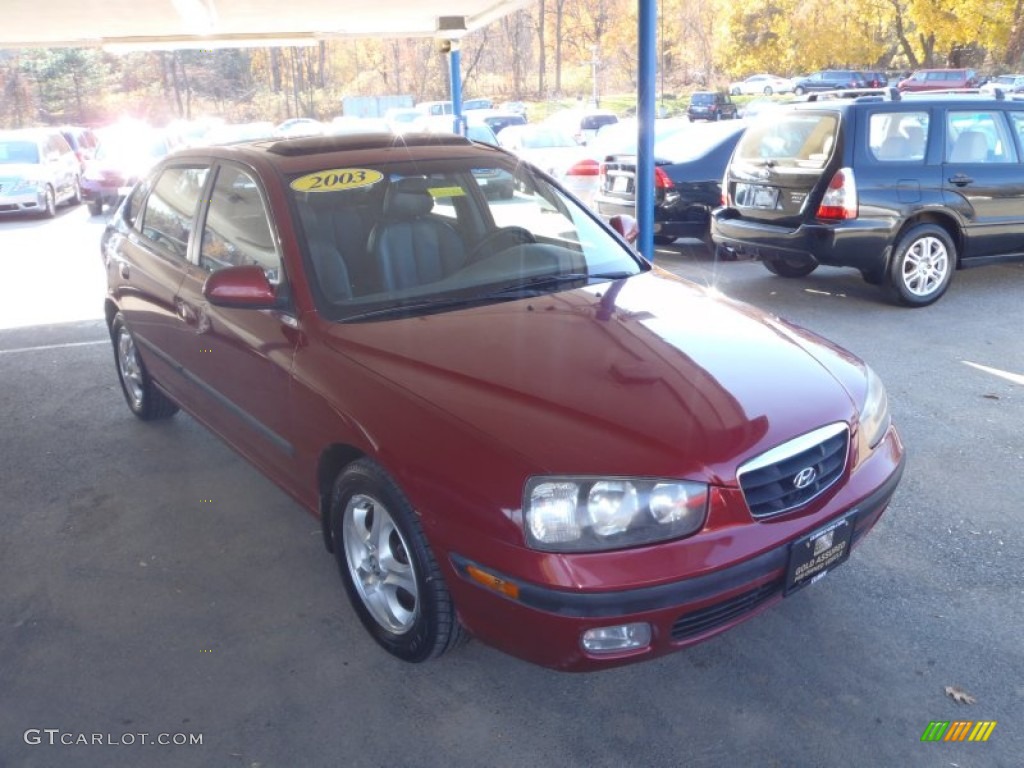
<point x="501" y="239"/>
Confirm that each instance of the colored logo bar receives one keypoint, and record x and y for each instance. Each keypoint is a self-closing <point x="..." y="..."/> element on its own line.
<point x="958" y="730"/>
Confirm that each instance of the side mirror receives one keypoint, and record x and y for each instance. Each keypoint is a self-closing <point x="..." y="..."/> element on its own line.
<point x="626" y="226"/>
<point x="244" y="287"/>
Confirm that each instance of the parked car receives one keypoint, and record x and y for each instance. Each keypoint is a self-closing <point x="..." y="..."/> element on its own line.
<point x="939" y="80"/>
<point x="402" y="119"/>
<point x="906" y="191"/>
<point x="509" y="423"/>
<point x="582" y="124"/>
<point x="121" y="159"/>
<point x="38" y="172"/>
<point x="493" y="182"/>
<point x="757" y="85"/>
<point x="829" y="80"/>
<point x="548" y="148"/>
<point x="470" y="104"/>
<point x="1006" y="83"/>
<point x="83" y="142"/>
<point x="494" y="119"/>
<point x="228" y="133"/>
<point x="583" y="177"/>
<point x="298" y="127"/>
<point x="875" y="78"/>
<point x="711" y="105"/>
<point x="688" y="170"/>
<point x="516" y="107"/>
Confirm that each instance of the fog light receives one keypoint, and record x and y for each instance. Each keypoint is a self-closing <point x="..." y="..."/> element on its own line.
<point x="624" y="637"/>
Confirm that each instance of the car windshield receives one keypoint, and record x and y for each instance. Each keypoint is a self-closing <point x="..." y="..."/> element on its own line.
<point x="18" y="152"/>
<point x="394" y="239"/>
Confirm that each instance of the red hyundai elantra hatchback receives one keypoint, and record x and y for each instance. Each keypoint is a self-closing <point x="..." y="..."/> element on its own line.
<point x="510" y="424"/>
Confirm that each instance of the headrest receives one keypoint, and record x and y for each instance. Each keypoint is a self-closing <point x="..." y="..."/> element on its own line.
<point x="408" y="198"/>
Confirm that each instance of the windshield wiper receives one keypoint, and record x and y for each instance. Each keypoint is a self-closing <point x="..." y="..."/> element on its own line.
<point x="536" y="285"/>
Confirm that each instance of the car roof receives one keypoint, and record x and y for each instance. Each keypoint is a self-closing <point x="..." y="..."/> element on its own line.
<point x="313" y="153"/>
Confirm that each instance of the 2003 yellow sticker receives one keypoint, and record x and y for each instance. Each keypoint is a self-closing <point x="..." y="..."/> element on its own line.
<point x="336" y="179"/>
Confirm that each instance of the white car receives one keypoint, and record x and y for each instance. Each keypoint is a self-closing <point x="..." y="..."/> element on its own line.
<point x="761" y="84"/>
<point x="1008" y="83"/>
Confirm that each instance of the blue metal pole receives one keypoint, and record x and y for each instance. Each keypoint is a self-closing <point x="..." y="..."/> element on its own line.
<point x="647" y="38"/>
<point x="455" y="76"/>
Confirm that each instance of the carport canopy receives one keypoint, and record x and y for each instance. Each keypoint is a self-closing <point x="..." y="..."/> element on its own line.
<point x="211" y="23"/>
<point x="154" y="24"/>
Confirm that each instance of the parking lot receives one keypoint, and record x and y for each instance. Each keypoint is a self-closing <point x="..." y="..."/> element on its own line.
<point x="154" y="583"/>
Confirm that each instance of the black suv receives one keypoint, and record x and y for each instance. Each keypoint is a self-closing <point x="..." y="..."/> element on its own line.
<point x="906" y="190"/>
<point x="829" y="80"/>
<point x="711" y="105"/>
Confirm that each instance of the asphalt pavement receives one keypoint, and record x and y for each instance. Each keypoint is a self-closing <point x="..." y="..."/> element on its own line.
<point x="155" y="588"/>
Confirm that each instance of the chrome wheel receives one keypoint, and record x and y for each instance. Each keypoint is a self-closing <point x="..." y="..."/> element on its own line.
<point x="925" y="267"/>
<point x="131" y="370"/>
<point x="378" y="561"/>
<point x="50" y="203"/>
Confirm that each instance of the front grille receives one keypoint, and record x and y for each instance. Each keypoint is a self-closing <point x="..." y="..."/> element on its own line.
<point x="796" y="472"/>
<point x="719" y="614"/>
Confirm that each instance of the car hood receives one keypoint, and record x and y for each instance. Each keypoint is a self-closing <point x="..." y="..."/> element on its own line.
<point x="19" y="171"/>
<point x="649" y="376"/>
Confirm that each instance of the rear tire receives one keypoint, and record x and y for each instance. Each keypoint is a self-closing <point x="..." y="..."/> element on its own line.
<point x="789" y="266"/>
<point x="145" y="400"/>
<point x="96" y="208"/>
<point x="664" y="240"/>
<point x="922" y="265"/>
<point x="391" y="577"/>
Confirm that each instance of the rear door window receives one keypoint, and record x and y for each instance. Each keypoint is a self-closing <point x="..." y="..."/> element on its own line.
<point x="978" y="136"/>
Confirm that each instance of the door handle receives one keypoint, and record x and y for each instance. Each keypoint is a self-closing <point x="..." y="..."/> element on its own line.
<point x="961" y="180"/>
<point x="124" y="270"/>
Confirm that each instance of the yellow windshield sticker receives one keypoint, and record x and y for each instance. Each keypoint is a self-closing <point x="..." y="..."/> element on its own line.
<point x="447" y="192"/>
<point x="336" y="179"/>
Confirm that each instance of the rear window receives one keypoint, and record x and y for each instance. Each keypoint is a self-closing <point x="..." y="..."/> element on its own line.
<point x="696" y="142"/>
<point x="703" y="98"/>
<point x="799" y="139"/>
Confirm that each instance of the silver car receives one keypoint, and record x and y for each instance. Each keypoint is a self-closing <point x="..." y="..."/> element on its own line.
<point x="38" y="172"/>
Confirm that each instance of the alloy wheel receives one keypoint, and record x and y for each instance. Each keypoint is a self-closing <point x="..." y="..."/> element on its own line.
<point x="925" y="266"/>
<point x="378" y="561"/>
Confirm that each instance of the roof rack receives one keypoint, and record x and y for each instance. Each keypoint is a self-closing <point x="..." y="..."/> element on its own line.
<point x="857" y="94"/>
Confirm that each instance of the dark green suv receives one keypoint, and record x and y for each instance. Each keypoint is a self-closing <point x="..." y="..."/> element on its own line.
<point x="711" y="105"/>
<point x="906" y="190"/>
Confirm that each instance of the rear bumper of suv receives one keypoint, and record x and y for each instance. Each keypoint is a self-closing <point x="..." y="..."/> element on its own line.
<point x="859" y="243"/>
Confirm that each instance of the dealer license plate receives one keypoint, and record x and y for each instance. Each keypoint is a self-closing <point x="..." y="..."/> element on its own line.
<point x="811" y="557"/>
<point x="756" y="196"/>
<point x="620" y="184"/>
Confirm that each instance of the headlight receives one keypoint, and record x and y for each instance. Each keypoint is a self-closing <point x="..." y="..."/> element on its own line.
<point x="591" y="514"/>
<point x="874" y="414"/>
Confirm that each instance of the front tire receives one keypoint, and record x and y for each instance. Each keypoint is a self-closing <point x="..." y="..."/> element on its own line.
<point x="145" y="400"/>
<point x="49" y="203"/>
<point x="922" y="265"/>
<point x="789" y="266"/>
<point x="389" y="572"/>
<point x="767" y="90"/>
<point x="799" y="91"/>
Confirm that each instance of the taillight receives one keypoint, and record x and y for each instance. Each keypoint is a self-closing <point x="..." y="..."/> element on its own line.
<point x="588" y="167"/>
<point x="661" y="180"/>
<point x="840" y="200"/>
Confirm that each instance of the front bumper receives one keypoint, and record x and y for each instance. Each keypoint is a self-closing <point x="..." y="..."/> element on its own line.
<point x="31" y="201"/>
<point x="544" y="625"/>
